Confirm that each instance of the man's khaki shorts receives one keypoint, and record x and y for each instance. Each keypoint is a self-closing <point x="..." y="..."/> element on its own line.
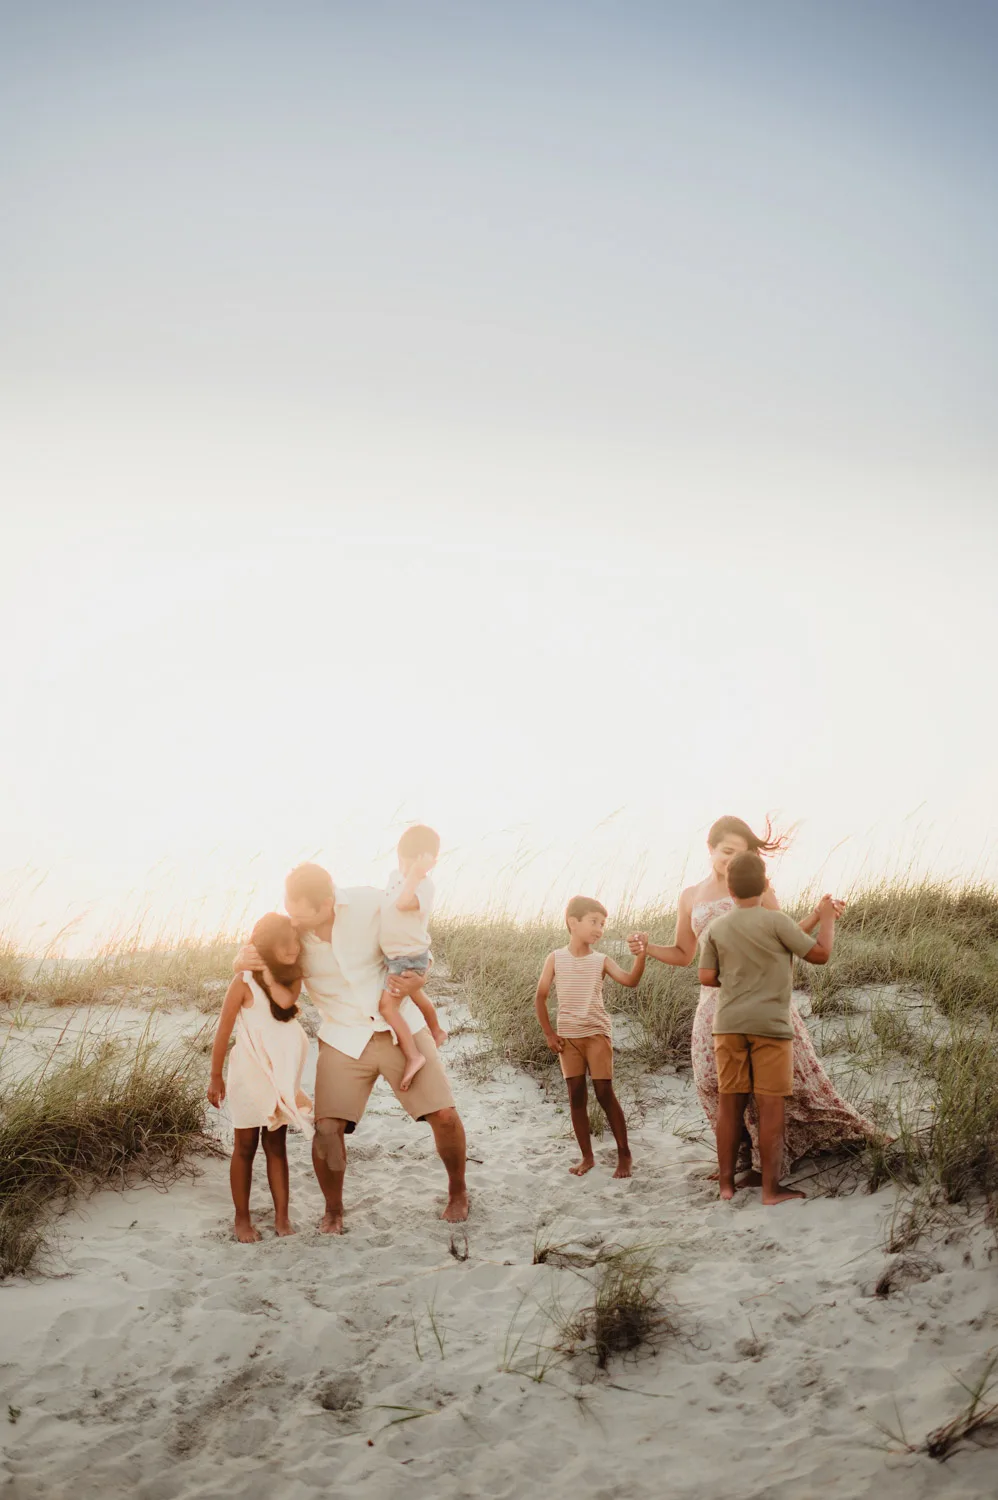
<point x="587" y="1054"/>
<point x="343" y="1084"/>
<point x="754" y="1064"/>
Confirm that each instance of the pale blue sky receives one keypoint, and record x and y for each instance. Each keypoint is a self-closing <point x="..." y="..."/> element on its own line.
<point x="514" y="364"/>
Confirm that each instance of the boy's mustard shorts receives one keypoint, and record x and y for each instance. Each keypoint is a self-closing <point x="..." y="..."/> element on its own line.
<point x="754" y="1064"/>
<point x="586" y="1054"/>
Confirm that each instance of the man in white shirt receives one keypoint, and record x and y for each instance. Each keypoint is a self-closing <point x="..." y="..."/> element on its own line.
<point x="344" y="976"/>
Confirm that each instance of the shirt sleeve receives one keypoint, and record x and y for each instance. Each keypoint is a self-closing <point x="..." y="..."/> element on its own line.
<point x="791" y="936"/>
<point x="424" y="895"/>
<point x="708" y="953"/>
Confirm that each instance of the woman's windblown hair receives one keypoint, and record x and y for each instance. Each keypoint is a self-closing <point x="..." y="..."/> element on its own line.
<point x="267" y="932"/>
<point x="771" y="843"/>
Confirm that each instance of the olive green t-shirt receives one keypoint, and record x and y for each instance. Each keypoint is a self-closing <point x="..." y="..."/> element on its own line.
<point x="751" y="949"/>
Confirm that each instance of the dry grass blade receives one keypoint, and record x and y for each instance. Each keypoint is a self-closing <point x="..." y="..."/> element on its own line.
<point x="628" y="1311"/>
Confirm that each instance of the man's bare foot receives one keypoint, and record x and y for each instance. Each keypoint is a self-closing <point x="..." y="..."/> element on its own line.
<point x="331" y="1221"/>
<point x="782" y="1195"/>
<point x="284" y="1227"/>
<point x="457" y="1208"/>
<point x="623" y="1165"/>
<point x="411" y="1069"/>
<point x="749" y="1179"/>
<point x="438" y="1034"/>
<point x="727" y="1191"/>
<point x="245" y="1233"/>
<point x="581" y="1168"/>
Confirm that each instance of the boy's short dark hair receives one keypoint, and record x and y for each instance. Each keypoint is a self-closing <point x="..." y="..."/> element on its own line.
<point x="747" y="875"/>
<point x="581" y="906"/>
<point x="310" y="883"/>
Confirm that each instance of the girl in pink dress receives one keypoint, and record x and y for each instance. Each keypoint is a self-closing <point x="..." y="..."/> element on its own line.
<point x="817" y="1117"/>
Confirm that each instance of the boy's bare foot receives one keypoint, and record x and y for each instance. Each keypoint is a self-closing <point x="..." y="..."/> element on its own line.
<point x="457" y="1208"/>
<point x="438" y="1034"/>
<point x="284" y="1227"/>
<point x="331" y="1222"/>
<point x="581" y="1168"/>
<point x="782" y="1195"/>
<point x="727" y="1191"/>
<point x="245" y="1232"/>
<point x="623" y="1165"/>
<point x="749" y="1179"/>
<point x="411" y="1069"/>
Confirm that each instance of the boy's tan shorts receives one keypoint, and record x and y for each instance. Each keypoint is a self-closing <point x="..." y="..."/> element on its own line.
<point x="343" y="1084"/>
<point x="754" y="1064"/>
<point x="587" y="1054"/>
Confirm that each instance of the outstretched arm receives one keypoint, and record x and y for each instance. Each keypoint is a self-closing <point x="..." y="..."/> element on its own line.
<point x="684" y="945"/>
<point x="629" y="978"/>
<point x="235" y="996"/>
<point x="826" y="913"/>
<point x="541" y="1005"/>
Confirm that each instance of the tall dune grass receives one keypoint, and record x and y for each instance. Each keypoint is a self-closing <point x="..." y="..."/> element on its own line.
<point x="87" y="1119"/>
<point x="187" y="969"/>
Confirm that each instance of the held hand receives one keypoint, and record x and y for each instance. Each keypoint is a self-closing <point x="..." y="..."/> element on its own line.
<point x="216" y="1092"/>
<point x="638" y="943"/>
<point x="248" y="958"/>
<point x="556" y="1043"/>
<point x="829" y="907"/>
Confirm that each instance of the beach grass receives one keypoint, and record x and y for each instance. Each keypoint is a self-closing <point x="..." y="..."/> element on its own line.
<point x="97" y="1111"/>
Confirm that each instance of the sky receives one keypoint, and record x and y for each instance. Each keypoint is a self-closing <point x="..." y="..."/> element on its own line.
<point x="559" y="423"/>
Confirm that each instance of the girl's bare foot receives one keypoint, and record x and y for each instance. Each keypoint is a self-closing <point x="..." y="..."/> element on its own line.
<point x="585" y="1165"/>
<point x="438" y="1034"/>
<point x="245" y="1233"/>
<point x="331" y="1221"/>
<point x="749" y="1179"/>
<point x="782" y="1195"/>
<point x="727" y="1191"/>
<point x="411" y="1069"/>
<point x="623" y="1164"/>
<point x="284" y="1227"/>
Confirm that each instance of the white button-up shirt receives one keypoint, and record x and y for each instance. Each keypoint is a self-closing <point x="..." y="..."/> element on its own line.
<point x="345" y="977"/>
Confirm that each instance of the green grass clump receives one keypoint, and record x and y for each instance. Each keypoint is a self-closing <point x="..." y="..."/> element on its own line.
<point x="85" y="1121"/>
<point x="187" y="969"/>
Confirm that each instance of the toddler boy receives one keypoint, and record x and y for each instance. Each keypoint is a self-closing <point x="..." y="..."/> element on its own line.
<point x="583" y="1036"/>
<point x="405" y="939"/>
<point x="748" y="954"/>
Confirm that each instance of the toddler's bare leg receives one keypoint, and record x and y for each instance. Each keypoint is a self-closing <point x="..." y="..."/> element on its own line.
<point x="772" y="1112"/>
<point x="275" y="1148"/>
<point x="427" y="1011"/>
<point x="579" y="1106"/>
<point x="240" y="1180"/>
<point x="414" y="1059"/>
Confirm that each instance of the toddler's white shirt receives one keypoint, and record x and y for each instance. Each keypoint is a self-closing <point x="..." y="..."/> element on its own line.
<point x="405" y="932"/>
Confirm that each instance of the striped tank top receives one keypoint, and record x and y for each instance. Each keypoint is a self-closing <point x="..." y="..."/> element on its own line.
<point x="579" y="987"/>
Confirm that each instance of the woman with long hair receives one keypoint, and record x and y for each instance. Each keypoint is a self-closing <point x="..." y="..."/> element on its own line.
<point x="817" y="1117"/>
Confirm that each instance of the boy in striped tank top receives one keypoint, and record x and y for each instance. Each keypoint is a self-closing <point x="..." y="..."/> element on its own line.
<point x="582" y="1038"/>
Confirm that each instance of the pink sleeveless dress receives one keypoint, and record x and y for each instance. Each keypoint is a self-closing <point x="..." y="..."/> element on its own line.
<point x="817" y="1118"/>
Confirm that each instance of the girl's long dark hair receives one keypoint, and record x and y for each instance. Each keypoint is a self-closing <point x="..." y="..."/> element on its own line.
<point x="268" y="931"/>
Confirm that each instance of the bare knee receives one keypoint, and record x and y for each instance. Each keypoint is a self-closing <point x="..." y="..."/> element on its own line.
<point x="330" y="1143"/>
<point x="577" y="1092"/>
<point x="275" y="1141"/>
<point x="603" y="1089"/>
<point x="244" y="1143"/>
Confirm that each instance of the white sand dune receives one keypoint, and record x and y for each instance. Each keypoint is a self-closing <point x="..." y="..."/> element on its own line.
<point x="166" y="1361"/>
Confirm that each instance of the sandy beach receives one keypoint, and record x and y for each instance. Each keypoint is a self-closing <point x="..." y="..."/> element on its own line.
<point x="159" y="1359"/>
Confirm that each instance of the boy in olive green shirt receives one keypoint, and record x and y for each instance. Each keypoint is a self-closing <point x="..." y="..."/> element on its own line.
<point x="748" y="954"/>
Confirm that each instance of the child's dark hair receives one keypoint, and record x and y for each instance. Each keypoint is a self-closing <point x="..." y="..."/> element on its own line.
<point x="268" y="931"/>
<point x="310" y="883"/>
<point x="581" y="906"/>
<point x="419" y="840"/>
<point x="747" y="875"/>
<point x="772" y="843"/>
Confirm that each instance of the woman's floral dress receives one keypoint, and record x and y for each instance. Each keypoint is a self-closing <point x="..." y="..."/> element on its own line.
<point x="817" y="1117"/>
